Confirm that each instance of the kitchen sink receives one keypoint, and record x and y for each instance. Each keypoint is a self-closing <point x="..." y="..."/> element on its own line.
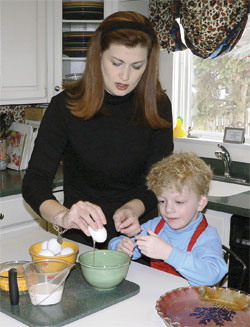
<point x="222" y="189"/>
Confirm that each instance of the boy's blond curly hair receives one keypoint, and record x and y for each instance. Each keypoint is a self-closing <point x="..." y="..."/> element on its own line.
<point x="179" y="170"/>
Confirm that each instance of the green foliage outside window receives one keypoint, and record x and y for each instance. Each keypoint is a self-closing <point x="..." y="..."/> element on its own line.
<point x="221" y="89"/>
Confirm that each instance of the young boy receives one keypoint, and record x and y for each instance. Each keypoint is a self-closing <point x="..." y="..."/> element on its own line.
<point x="179" y="241"/>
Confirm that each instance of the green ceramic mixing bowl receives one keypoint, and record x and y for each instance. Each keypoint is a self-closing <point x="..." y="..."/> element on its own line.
<point x="104" y="269"/>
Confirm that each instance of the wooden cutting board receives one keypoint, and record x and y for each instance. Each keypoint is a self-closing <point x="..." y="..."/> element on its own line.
<point x="79" y="300"/>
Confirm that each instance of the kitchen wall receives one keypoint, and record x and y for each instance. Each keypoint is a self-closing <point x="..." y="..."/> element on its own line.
<point x="166" y="71"/>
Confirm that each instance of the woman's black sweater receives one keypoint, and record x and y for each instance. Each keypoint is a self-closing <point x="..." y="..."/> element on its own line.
<point x="105" y="159"/>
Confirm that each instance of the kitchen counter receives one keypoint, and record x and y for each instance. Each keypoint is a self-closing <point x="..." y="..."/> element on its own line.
<point x="137" y="311"/>
<point x="238" y="204"/>
<point x="11" y="181"/>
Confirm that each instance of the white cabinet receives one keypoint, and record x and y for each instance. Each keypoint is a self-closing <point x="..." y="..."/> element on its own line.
<point x="221" y="221"/>
<point x="30" y="56"/>
<point x="32" y="66"/>
<point x="58" y="64"/>
<point x="23" y="51"/>
<point x="54" y="47"/>
<point x="17" y="215"/>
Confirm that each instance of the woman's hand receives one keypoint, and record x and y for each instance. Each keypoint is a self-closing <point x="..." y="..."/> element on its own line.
<point x="126" y="245"/>
<point x="126" y="222"/>
<point x="153" y="246"/>
<point x="83" y="214"/>
<point x="126" y="218"/>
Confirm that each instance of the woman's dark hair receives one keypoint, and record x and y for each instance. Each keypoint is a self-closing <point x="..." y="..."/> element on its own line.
<point x="85" y="97"/>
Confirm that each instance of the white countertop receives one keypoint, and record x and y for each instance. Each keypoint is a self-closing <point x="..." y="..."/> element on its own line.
<point x="137" y="311"/>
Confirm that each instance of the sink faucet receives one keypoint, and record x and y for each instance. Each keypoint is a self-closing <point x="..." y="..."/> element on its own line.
<point x="224" y="155"/>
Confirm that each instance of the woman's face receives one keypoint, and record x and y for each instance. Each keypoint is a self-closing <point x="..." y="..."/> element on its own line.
<point x="122" y="68"/>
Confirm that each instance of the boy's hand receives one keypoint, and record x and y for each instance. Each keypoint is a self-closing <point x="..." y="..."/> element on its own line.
<point x="126" y="245"/>
<point x="153" y="246"/>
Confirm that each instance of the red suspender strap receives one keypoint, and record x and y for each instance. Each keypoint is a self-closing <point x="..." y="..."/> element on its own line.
<point x="158" y="264"/>
<point x="161" y="265"/>
<point x="197" y="233"/>
<point x="159" y="226"/>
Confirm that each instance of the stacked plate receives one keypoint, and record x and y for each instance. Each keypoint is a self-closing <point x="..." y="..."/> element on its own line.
<point x="72" y="77"/>
<point x="86" y="10"/>
<point x="75" y="44"/>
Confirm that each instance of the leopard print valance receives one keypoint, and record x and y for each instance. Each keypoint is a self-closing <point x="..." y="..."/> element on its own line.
<point x="211" y="27"/>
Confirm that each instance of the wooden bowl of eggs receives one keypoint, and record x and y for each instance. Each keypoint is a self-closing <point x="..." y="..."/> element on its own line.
<point x="48" y="249"/>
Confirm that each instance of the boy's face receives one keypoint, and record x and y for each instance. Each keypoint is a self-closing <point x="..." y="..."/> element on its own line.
<point x="179" y="209"/>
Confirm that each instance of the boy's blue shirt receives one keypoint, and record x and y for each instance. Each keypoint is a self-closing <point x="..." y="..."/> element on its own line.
<point x="204" y="265"/>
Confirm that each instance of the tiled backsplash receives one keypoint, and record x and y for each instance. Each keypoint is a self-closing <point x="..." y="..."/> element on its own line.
<point x="16" y="110"/>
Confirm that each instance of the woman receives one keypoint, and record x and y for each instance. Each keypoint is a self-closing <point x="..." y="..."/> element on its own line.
<point x="108" y="128"/>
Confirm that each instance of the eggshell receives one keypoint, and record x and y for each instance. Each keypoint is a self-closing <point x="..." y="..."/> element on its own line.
<point x="100" y="235"/>
<point x="66" y="250"/>
<point x="54" y="246"/>
<point x="44" y="245"/>
<point x="46" y="253"/>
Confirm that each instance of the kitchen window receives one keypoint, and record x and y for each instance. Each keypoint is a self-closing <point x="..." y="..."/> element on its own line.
<point x="211" y="94"/>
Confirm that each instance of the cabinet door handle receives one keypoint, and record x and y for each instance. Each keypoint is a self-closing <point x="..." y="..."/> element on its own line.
<point x="57" y="88"/>
<point x="1" y="216"/>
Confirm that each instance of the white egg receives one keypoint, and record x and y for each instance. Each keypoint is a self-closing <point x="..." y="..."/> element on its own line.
<point x="66" y="250"/>
<point x="46" y="253"/>
<point x="100" y="235"/>
<point x="54" y="246"/>
<point x="44" y="245"/>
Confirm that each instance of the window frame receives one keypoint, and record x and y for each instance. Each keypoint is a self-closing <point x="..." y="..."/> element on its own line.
<point x="182" y="88"/>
